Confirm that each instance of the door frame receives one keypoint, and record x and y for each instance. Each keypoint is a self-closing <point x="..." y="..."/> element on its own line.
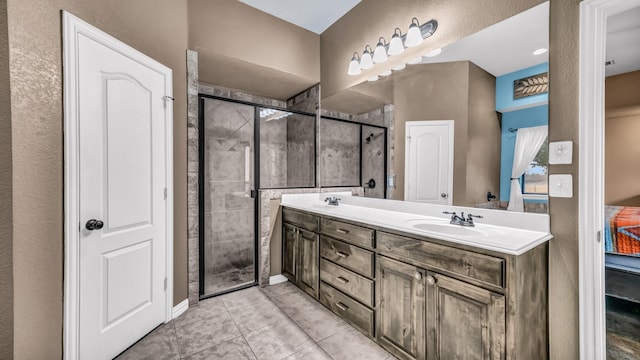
<point x="592" y="309"/>
<point x="72" y="28"/>
<point x="451" y="125"/>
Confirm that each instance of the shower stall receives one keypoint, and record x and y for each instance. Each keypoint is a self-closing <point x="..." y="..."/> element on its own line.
<point x="244" y="147"/>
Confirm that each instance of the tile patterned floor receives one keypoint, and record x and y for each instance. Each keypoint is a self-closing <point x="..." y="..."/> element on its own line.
<point x="273" y="323"/>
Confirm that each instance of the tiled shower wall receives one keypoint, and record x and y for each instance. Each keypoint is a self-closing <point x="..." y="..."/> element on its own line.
<point x="380" y="117"/>
<point x="373" y="161"/>
<point x="339" y="153"/>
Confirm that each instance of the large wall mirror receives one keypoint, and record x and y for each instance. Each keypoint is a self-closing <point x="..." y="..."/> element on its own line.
<point x="492" y="87"/>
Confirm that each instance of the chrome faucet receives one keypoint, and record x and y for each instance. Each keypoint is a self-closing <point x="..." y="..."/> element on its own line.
<point x="332" y="200"/>
<point x="460" y="220"/>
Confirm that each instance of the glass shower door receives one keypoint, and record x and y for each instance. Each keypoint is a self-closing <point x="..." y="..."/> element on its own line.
<point x="228" y="204"/>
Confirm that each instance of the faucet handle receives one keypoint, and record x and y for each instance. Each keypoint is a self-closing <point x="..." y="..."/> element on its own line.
<point x="470" y="217"/>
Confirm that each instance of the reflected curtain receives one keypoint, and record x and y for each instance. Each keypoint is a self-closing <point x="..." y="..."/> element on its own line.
<point x="528" y="143"/>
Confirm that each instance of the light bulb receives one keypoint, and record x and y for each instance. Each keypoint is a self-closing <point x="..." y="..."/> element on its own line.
<point x="395" y="46"/>
<point x="380" y="54"/>
<point x="414" y="35"/>
<point x="366" y="62"/>
<point x="354" y="66"/>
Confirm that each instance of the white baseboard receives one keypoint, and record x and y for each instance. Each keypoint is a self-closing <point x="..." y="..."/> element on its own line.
<point x="277" y="279"/>
<point x="180" y="308"/>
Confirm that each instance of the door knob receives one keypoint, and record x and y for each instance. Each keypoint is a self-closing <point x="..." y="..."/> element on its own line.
<point x="94" y="224"/>
<point x="417" y="275"/>
<point x="431" y="280"/>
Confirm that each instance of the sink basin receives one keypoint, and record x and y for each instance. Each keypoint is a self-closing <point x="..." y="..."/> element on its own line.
<point x="449" y="229"/>
<point x="443" y="227"/>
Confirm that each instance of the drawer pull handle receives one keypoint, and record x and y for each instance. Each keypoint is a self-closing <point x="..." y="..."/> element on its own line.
<point x="342" y="306"/>
<point x="342" y="280"/>
<point x="342" y="231"/>
<point x="431" y="280"/>
<point x="341" y="254"/>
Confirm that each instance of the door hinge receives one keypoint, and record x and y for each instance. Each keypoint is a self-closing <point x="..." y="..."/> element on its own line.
<point x="598" y="236"/>
<point x="165" y="284"/>
<point x="165" y="193"/>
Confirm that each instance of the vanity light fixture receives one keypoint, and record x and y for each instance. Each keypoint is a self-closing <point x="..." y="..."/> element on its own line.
<point x="354" y="65"/>
<point x="395" y="46"/>
<point x="433" y="53"/>
<point x="373" y="78"/>
<point x="540" y="51"/>
<point x="366" y="62"/>
<point x="380" y="54"/>
<point x="385" y="73"/>
<point x="399" y="67"/>
<point x="414" y="36"/>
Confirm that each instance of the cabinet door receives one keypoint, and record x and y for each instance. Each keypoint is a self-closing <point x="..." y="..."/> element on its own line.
<point x="463" y="321"/>
<point x="289" y="252"/>
<point x="308" y="263"/>
<point x="401" y="308"/>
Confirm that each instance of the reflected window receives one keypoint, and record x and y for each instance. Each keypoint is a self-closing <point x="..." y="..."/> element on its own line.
<point x="536" y="180"/>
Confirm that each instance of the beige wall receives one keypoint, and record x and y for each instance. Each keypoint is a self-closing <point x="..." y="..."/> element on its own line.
<point x="563" y="126"/>
<point x="462" y="92"/>
<point x="622" y="90"/>
<point x="433" y="92"/>
<point x="155" y="27"/>
<point x="622" y="124"/>
<point x="483" y="140"/>
<point x="241" y="47"/>
<point x="6" y="208"/>
<point x="374" y="18"/>
<point x="622" y="151"/>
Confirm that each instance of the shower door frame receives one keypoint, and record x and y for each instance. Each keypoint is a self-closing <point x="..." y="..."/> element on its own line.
<point x="254" y="192"/>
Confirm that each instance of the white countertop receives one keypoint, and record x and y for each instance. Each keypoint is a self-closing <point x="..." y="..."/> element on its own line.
<point x="499" y="230"/>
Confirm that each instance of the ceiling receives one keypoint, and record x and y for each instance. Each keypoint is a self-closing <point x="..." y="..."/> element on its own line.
<point x="313" y="15"/>
<point x="623" y="32"/>
<point x="504" y="47"/>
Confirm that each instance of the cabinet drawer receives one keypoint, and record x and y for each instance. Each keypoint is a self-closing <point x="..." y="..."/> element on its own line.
<point x="348" y="256"/>
<point x="350" y="310"/>
<point x="481" y="267"/>
<point x="301" y="219"/>
<point x="352" y="284"/>
<point x="352" y="233"/>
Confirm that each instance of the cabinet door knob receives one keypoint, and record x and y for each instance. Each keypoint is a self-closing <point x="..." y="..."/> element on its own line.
<point x="431" y="280"/>
<point x="417" y="275"/>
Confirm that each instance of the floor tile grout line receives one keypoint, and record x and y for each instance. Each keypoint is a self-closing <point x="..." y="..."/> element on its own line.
<point x="238" y="326"/>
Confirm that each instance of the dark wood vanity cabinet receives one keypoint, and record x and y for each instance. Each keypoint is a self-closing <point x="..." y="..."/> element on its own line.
<point x="464" y="321"/>
<point x="300" y="251"/>
<point x="418" y="297"/>
<point x="401" y="291"/>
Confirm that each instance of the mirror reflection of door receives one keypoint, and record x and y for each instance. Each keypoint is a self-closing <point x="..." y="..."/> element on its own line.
<point x="429" y="162"/>
<point x="622" y="186"/>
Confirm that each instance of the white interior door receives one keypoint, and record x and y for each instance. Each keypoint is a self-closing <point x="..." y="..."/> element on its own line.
<point x="429" y="162"/>
<point x="122" y="122"/>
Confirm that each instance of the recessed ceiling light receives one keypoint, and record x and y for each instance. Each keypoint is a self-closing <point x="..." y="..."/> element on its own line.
<point x="385" y="73"/>
<point x="433" y="53"/>
<point x="373" y="78"/>
<point x="540" y="51"/>
<point x="415" y="61"/>
<point x="399" y="67"/>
